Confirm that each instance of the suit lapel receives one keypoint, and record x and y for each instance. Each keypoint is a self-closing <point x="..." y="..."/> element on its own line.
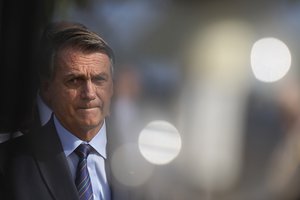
<point x="52" y="163"/>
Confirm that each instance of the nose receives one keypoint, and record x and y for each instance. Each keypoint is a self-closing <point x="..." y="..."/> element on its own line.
<point x="88" y="91"/>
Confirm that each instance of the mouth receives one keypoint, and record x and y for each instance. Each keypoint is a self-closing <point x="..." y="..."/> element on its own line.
<point x="88" y="108"/>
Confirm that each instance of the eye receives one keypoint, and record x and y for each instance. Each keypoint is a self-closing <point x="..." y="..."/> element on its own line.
<point x="74" y="82"/>
<point x="98" y="79"/>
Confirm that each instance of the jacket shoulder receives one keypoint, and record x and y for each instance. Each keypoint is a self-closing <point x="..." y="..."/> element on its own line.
<point x="12" y="148"/>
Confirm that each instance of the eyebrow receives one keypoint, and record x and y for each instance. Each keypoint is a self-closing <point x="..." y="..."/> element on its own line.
<point x="81" y="75"/>
<point x="70" y="76"/>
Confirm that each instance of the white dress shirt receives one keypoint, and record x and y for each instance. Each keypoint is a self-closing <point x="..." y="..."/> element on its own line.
<point x="95" y="160"/>
<point x="44" y="111"/>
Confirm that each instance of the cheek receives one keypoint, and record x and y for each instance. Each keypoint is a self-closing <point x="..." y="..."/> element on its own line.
<point x="106" y="94"/>
<point x="64" y="99"/>
<point x="70" y="97"/>
<point x="110" y="90"/>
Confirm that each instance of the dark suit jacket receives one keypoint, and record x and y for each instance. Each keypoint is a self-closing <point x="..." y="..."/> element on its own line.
<point x="34" y="167"/>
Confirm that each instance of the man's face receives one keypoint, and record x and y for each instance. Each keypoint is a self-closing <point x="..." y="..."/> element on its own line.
<point x="81" y="90"/>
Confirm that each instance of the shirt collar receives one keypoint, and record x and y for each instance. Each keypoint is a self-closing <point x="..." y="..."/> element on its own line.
<point x="44" y="111"/>
<point x="70" y="142"/>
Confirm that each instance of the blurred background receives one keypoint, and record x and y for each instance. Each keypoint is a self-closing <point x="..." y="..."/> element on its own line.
<point x="206" y="92"/>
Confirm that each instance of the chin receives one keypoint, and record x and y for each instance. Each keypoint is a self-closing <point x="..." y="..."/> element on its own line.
<point x="91" y="123"/>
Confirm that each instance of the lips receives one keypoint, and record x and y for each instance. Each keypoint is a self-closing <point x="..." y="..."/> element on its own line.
<point x="88" y="108"/>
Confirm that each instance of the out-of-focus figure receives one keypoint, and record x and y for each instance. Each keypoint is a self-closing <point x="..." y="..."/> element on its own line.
<point x="283" y="179"/>
<point x="126" y="105"/>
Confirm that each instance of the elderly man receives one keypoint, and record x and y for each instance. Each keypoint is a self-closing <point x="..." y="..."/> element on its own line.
<point x="66" y="158"/>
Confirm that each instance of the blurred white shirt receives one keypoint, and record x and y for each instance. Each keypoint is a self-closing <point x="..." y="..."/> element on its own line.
<point x="44" y="111"/>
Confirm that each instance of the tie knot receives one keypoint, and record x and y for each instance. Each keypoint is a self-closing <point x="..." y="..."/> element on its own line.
<point x="83" y="150"/>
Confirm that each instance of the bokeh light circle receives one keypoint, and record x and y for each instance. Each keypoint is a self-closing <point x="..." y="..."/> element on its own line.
<point x="159" y="142"/>
<point x="270" y="59"/>
<point x="129" y="167"/>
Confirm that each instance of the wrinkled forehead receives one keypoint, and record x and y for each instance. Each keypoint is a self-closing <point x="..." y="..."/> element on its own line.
<point x="75" y="50"/>
<point x="78" y="60"/>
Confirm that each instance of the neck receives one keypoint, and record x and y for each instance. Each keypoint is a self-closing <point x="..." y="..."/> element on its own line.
<point x="86" y="133"/>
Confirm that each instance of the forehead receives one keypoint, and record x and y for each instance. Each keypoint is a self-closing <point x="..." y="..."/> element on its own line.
<point x="76" y="60"/>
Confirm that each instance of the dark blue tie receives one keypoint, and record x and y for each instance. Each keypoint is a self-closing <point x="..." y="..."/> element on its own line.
<point x="82" y="181"/>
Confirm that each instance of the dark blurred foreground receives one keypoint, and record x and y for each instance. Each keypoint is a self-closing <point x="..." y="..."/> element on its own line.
<point x="20" y="26"/>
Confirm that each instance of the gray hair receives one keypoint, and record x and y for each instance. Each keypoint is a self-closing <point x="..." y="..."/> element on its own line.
<point x="61" y="35"/>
